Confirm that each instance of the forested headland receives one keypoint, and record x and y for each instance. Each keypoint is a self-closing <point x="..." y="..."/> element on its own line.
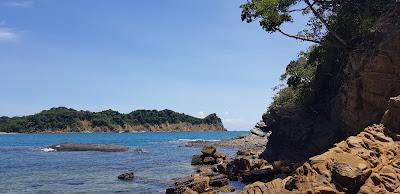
<point x="63" y="119"/>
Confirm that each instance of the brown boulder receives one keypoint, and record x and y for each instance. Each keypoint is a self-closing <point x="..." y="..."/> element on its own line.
<point x="219" y="155"/>
<point x="208" y="150"/>
<point x="195" y="182"/>
<point x="219" y="181"/>
<point x="348" y="178"/>
<point x="197" y="160"/>
<point x="209" y="160"/>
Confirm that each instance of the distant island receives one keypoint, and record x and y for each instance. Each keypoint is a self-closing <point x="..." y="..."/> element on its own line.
<point x="66" y="120"/>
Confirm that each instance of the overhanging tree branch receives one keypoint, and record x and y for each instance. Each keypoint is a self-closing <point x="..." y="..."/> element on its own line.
<point x="297" y="37"/>
<point x="294" y="10"/>
<point x="330" y="44"/>
<point x="325" y="23"/>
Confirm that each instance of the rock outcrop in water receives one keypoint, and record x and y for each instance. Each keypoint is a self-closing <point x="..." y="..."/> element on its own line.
<point x="71" y="146"/>
<point x="208" y="178"/>
<point x="209" y="156"/>
<point x="126" y="176"/>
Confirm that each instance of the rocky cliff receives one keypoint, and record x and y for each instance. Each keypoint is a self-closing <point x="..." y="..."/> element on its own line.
<point x="363" y="116"/>
<point x="366" y="163"/>
<point x="364" y="85"/>
<point x="373" y="74"/>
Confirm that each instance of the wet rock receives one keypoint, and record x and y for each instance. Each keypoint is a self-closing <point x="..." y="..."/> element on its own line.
<point x="197" y="160"/>
<point x="226" y="189"/>
<point x="284" y="166"/>
<point x="206" y="181"/>
<point x="71" y="146"/>
<point x="126" y="176"/>
<point x="195" y="182"/>
<point x="219" y="181"/>
<point x="222" y="168"/>
<point x="258" y="175"/>
<point x="205" y="170"/>
<point x="208" y="150"/>
<point x="219" y="155"/>
<point x="209" y="156"/>
<point x="209" y="160"/>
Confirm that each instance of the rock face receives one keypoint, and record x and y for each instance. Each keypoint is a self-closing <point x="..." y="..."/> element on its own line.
<point x="297" y="134"/>
<point x="367" y="81"/>
<point x="70" y="146"/>
<point x="391" y="118"/>
<point x="366" y="163"/>
<point x="373" y="74"/>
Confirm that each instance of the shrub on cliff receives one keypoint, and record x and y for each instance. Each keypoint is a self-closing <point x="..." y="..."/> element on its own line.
<point x="335" y="26"/>
<point x="299" y="77"/>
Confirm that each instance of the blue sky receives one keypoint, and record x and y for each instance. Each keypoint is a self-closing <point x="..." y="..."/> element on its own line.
<point x="195" y="57"/>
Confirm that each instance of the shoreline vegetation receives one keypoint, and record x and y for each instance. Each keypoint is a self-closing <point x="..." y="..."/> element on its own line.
<point x="66" y="120"/>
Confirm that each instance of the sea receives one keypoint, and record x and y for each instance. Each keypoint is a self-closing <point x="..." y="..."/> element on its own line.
<point x="156" y="158"/>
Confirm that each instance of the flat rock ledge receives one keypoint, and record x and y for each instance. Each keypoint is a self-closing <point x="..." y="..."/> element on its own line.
<point x="71" y="146"/>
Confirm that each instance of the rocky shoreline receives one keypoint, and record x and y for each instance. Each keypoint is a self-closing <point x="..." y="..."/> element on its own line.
<point x="366" y="163"/>
<point x="255" y="140"/>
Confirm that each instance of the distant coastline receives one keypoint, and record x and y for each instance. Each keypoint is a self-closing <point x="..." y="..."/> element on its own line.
<point x="6" y="133"/>
<point x="66" y="120"/>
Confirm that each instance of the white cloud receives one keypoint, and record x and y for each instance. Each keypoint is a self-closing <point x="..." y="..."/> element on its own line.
<point x="18" y="3"/>
<point x="201" y="114"/>
<point x="237" y="124"/>
<point x="7" y="34"/>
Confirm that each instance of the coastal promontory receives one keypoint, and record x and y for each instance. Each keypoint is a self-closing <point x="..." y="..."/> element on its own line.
<point x="64" y="120"/>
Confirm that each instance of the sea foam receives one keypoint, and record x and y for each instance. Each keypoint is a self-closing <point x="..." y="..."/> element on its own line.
<point x="48" y="149"/>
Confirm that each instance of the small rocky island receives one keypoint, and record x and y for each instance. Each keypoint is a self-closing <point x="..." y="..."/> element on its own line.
<point x="67" y="120"/>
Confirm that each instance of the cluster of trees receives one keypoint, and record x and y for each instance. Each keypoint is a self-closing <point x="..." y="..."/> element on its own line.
<point x="65" y="118"/>
<point x="335" y="26"/>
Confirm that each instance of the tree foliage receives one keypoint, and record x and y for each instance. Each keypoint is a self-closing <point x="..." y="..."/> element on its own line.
<point x="299" y="77"/>
<point x="65" y="118"/>
<point x="336" y="26"/>
<point x="333" y="23"/>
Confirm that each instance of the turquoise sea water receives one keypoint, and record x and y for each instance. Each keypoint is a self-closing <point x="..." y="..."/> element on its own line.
<point x="26" y="168"/>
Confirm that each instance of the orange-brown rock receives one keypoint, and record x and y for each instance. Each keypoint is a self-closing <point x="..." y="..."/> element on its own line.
<point x="352" y="97"/>
<point x="366" y="163"/>
<point x="373" y="74"/>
